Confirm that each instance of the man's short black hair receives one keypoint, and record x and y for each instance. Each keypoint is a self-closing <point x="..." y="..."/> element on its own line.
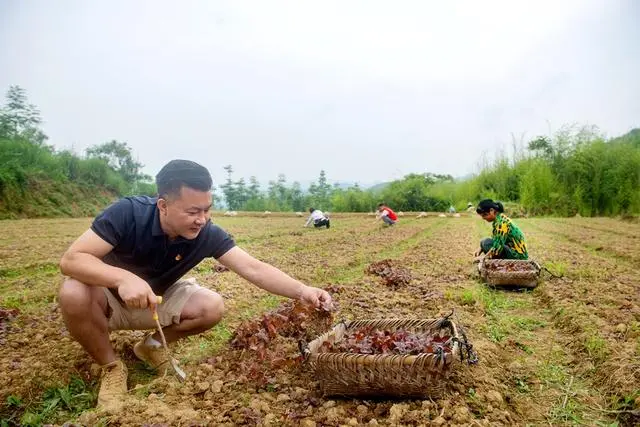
<point x="311" y="210"/>
<point x="182" y="173"/>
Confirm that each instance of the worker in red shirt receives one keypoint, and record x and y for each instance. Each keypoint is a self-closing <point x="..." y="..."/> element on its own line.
<point x="386" y="214"/>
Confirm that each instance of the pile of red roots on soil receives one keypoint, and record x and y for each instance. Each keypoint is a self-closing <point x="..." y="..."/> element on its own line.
<point x="391" y="276"/>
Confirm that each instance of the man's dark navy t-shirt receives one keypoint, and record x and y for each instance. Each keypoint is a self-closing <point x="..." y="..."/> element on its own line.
<point x="132" y="227"/>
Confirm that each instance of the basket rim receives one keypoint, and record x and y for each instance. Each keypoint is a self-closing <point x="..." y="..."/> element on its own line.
<point x="310" y="351"/>
<point x="508" y="261"/>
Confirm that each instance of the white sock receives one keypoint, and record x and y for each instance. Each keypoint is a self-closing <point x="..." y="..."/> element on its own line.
<point x="152" y="342"/>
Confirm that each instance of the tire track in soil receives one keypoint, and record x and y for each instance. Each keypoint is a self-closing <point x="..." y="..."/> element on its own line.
<point x="601" y="225"/>
<point x="597" y="295"/>
<point x="611" y="245"/>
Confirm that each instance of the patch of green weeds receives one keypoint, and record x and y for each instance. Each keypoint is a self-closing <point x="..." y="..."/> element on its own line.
<point x="211" y="342"/>
<point x="522" y="384"/>
<point x="569" y="412"/>
<point x="467" y="297"/>
<point x="141" y="373"/>
<point x="12" y="301"/>
<point x="552" y="373"/>
<point x="58" y="403"/>
<point x="559" y="268"/>
<point x="527" y="323"/>
<point x="475" y="404"/>
<point x="254" y="308"/>
<point x="40" y="269"/>
<point x="496" y="332"/>
<point x="596" y="347"/>
<point x="524" y="347"/>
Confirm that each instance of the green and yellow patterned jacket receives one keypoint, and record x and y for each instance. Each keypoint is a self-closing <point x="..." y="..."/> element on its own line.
<point x="508" y="240"/>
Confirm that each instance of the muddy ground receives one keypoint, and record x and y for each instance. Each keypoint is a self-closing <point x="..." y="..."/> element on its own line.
<point x="566" y="353"/>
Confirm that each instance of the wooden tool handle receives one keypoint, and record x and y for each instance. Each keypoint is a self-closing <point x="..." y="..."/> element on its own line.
<point x="155" y="310"/>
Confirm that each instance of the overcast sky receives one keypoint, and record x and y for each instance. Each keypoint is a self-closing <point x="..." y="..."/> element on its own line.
<point x="367" y="90"/>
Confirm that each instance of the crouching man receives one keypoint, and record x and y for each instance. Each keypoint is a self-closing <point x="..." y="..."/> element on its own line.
<point x="319" y="219"/>
<point x="138" y="249"/>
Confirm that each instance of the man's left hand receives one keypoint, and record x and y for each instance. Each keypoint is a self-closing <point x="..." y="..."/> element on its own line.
<point x="319" y="298"/>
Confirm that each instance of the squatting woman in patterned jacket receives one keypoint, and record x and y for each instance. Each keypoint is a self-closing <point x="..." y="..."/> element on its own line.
<point x="507" y="241"/>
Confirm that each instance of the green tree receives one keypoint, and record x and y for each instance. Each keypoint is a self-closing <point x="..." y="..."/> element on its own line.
<point x="20" y="119"/>
<point x="296" y="197"/>
<point x="241" y="194"/>
<point x="537" y="188"/>
<point x="119" y="157"/>
<point x="412" y="193"/>
<point x="541" y="146"/>
<point x="254" y="188"/>
<point x="229" y="190"/>
<point x="320" y="192"/>
<point x="255" y="201"/>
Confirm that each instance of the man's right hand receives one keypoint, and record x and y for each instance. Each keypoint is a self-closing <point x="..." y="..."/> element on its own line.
<point x="136" y="293"/>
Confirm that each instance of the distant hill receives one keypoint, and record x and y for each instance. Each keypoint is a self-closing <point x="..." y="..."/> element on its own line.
<point x="633" y="137"/>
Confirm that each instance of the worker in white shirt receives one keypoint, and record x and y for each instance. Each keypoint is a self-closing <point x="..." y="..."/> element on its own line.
<point x="319" y="219"/>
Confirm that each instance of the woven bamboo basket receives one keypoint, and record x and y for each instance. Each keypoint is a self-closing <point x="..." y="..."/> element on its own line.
<point x="510" y="272"/>
<point x="420" y="376"/>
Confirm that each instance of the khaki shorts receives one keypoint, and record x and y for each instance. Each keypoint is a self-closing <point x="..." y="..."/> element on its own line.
<point x="173" y="301"/>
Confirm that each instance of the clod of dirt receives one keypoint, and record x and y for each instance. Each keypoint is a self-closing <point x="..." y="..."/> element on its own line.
<point x="621" y="328"/>
<point x="427" y="404"/>
<point x="439" y="421"/>
<point x="335" y="414"/>
<point x="259" y="405"/>
<point x="299" y="393"/>
<point x="217" y="386"/>
<point x="494" y="398"/>
<point x="391" y="276"/>
<point x="307" y="423"/>
<point x="283" y="398"/>
<point x="6" y="315"/>
<point x="202" y="386"/>
<point x="461" y="415"/>
<point x="329" y="404"/>
<point x="362" y="410"/>
<point x="397" y="411"/>
<point x="334" y="289"/>
<point x="373" y="422"/>
<point x="269" y="419"/>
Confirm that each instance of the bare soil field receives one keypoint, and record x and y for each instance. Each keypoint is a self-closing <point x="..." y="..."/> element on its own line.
<point x="566" y="353"/>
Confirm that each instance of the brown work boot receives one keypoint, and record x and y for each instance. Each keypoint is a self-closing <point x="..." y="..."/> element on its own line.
<point x="113" y="386"/>
<point x="156" y="357"/>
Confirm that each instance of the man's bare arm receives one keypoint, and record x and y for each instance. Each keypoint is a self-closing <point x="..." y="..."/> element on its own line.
<point x="83" y="261"/>
<point x="271" y="279"/>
